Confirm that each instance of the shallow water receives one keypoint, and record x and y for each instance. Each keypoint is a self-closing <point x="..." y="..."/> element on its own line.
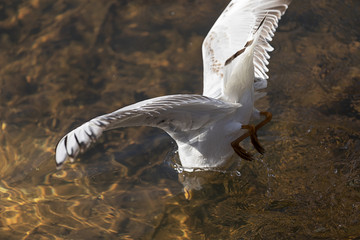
<point x="64" y="62"/>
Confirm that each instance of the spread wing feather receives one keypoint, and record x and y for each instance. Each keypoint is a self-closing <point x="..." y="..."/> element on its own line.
<point x="173" y="113"/>
<point x="231" y="32"/>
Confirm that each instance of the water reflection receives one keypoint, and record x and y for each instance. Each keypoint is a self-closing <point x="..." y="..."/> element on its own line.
<point x="63" y="63"/>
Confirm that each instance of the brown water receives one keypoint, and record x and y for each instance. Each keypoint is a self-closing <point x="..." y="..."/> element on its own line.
<point x="64" y="62"/>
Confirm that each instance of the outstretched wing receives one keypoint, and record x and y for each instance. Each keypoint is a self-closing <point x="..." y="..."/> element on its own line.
<point x="174" y="113"/>
<point x="232" y="32"/>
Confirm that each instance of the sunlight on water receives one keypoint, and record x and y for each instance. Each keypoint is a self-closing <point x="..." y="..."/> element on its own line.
<point x="63" y="63"/>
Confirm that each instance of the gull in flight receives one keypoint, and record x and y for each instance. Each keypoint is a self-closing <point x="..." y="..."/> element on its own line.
<point x="206" y="128"/>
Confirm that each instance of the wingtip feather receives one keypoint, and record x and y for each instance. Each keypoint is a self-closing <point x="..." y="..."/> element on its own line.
<point x="60" y="153"/>
<point x="77" y="141"/>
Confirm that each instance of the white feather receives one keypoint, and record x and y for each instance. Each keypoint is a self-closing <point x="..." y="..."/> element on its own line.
<point x="233" y="29"/>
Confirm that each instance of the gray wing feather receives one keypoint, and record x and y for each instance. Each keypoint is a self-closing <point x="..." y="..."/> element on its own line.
<point x="172" y="113"/>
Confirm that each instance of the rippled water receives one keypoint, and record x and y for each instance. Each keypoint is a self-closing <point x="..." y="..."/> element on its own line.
<point x="64" y="62"/>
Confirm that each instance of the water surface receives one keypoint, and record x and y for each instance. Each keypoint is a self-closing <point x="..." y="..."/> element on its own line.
<point x="64" y="62"/>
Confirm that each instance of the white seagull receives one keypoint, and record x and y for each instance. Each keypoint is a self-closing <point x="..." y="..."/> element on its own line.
<point x="205" y="127"/>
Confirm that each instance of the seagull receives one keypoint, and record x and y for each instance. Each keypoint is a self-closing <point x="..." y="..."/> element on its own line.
<point x="206" y="128"/>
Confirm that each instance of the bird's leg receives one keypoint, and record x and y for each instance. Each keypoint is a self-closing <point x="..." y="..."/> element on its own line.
<point x="235" y="144"/>
<point x="255" y="141"/>
<point x="253" y="136"/>
<point x="267" y="119"/>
